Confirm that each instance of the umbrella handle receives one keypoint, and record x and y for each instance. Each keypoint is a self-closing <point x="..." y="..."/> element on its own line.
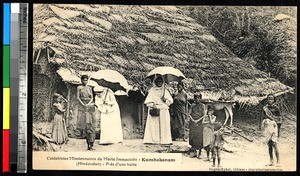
<point x="106" y="93"/>
<point x="164" y="91"/>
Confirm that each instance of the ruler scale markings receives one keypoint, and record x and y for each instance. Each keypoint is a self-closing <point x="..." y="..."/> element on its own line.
<point x="22" y="132"/>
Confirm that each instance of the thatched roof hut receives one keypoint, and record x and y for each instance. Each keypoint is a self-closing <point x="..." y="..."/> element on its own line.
<point x="136" y="39"/>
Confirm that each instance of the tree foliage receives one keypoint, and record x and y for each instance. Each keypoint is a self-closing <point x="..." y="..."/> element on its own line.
<point x="245" y="30"/>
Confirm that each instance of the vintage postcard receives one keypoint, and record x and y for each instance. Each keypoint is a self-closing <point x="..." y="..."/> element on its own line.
<point x="164" y="88"/>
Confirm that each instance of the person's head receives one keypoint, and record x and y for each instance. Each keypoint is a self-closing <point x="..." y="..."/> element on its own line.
<point x="180" y="87"/>
<point x="217" y="126"/>
<point x="197" y="98"/>
<point x="210" y="109"/>
<point x="271" y="99"/>
<point x="98" y="90"/>
<point x="84" y="79"/>
<point x="159" y="81"/>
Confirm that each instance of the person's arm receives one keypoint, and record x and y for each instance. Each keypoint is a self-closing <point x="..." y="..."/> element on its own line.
<point x="168" y="98"/>
<point x="212" y="118"/>
<point x="205" y="119"/>
<point x="212" y="144"/>
<point x="186" y="103"/>
<point x="268" y="112"/>
<point x="149" y="102"/>
<point x="78" y="96"/>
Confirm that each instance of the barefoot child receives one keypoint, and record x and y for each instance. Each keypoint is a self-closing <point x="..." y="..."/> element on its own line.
<point x="208" y="122"/>
<point x="271" y="134"/>
<point x="217" y="143"/>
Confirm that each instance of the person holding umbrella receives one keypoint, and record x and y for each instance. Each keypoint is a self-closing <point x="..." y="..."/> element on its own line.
<point x="110" y="117"/>
<point x="158" y="127"/>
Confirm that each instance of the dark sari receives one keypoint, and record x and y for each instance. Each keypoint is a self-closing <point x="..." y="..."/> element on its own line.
<point x="179" y="114"/>
<point x="196" y="128"/>
<point x="90" y="128"/>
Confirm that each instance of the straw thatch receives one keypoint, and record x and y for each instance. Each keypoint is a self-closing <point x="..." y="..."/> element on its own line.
<point x="136" y="39"/>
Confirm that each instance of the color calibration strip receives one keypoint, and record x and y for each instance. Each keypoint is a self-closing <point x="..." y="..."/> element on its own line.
<point x="22" y="92"/>
<point x="15" y="57"/>
<point x="6" y="88"/>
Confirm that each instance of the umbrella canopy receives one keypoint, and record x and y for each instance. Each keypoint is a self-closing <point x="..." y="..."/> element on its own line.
<point x="168" y="73"/>
<point x="111" y="79"/>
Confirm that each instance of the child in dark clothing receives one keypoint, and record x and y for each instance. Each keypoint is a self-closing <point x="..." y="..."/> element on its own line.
<point x="217" y="143"/>
<point x="90" y="126"/>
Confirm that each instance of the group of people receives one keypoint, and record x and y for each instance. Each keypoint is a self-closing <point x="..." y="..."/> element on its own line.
<point x="162" y="127"/>
<point x="104" y="102"/>
<point x="205" y="132"/>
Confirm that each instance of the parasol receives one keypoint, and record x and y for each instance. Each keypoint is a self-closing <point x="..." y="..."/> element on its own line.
<point x="168" y="73"/>
<point x="111" y="79"/>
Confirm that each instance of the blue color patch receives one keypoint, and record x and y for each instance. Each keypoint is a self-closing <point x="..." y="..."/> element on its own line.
<point x="6" y="24"/>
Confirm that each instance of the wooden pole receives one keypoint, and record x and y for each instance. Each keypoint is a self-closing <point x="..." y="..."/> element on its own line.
<point x="68" y="104"/>
<point x="37" y="57"/>
<point x="250" y="140"/>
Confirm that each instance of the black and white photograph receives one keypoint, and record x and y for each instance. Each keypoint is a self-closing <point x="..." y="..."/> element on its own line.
<point x="164" y="88"/>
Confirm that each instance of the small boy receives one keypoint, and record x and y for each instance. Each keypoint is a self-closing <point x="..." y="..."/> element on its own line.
<point x="90" y="126"/>
<point x="271" y="138"/>
<point x="217" y="143"/>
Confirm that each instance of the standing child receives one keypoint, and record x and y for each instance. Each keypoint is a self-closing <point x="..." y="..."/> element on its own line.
<point x="271" y="139"/>
<point x="217" y="143"/>
<point x="208" y="122"/>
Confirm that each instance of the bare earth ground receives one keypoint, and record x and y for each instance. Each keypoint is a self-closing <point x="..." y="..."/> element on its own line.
<point x="246" y="155"/>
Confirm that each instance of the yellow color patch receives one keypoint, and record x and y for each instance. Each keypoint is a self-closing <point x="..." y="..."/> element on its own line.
<point x="6" y="108"/>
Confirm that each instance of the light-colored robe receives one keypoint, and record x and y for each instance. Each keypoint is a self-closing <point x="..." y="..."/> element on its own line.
<point x="158" y="129"/>
<point x="110" y="125"/>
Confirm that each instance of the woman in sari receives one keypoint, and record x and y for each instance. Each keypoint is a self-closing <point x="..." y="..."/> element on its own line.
<point x="59" y="129"/>
<point x="179" y="113"/>
<point x="85" y="98"/>
<point x="110" y="116"/>
<point x="158" y="127"/>
<point x="196" y="127"/>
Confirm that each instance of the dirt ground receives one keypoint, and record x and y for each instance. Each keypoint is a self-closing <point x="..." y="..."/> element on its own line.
<point x="245" y="156"/>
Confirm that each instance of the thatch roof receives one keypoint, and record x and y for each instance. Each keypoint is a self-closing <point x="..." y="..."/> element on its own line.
<point x="135" y="39"/>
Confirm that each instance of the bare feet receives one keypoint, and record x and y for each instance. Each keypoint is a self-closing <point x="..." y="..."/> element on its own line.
<point x="270" y="164"/>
